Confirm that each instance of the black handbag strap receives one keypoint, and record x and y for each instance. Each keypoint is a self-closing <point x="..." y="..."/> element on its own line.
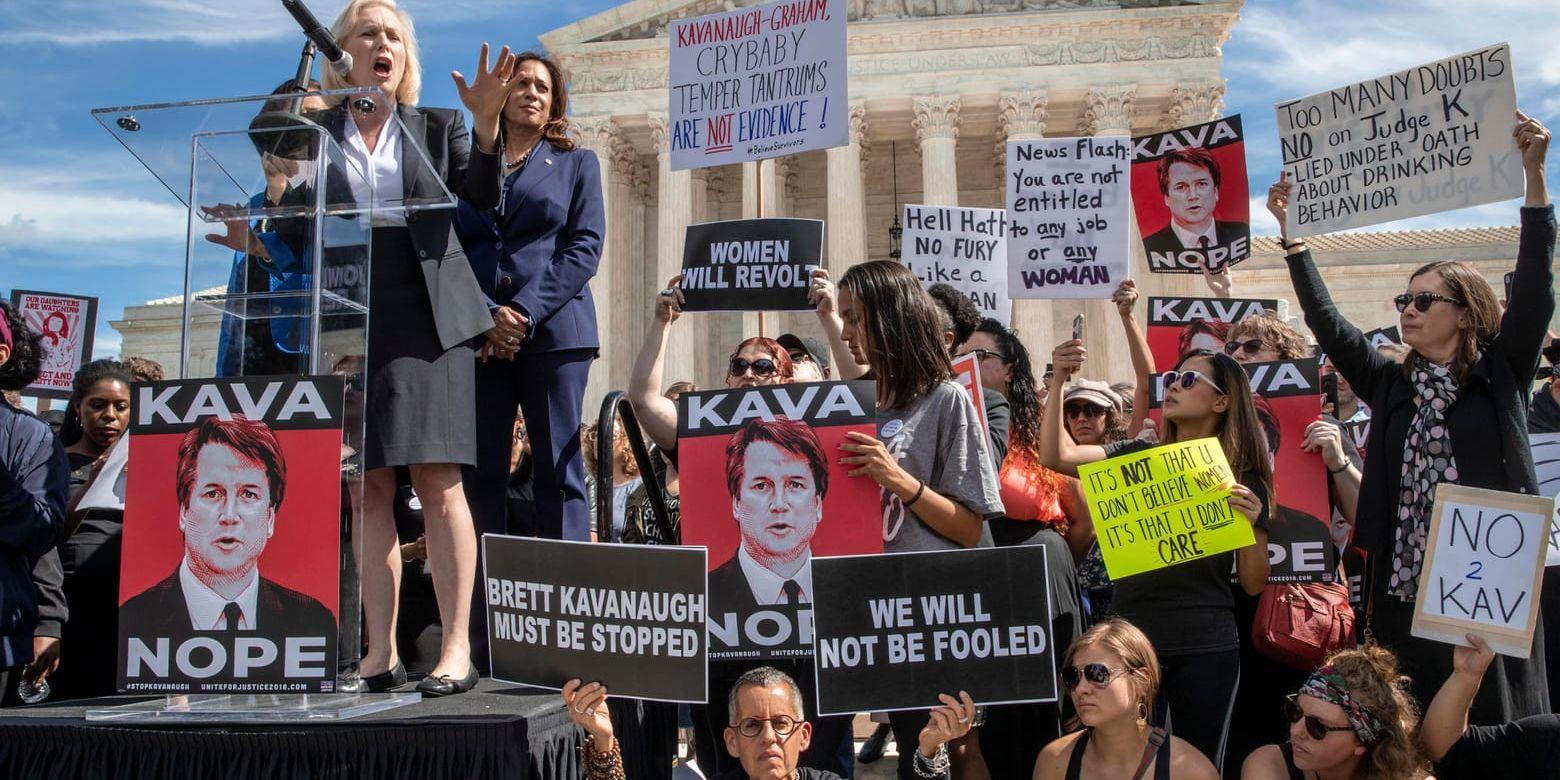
<point x="1156" y="739"/>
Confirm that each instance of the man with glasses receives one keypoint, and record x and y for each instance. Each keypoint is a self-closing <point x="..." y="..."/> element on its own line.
<point x="810" y="359"/>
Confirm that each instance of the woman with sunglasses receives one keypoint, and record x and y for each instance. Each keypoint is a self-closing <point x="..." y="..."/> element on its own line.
<point x="1188" y="610"/>
<point x="1351" y="720"/>
<point x="1454" y="412"/>
<point x="1264" y="337"/>
<point x="1112" y="675"/>
<point x="939" y="486"/>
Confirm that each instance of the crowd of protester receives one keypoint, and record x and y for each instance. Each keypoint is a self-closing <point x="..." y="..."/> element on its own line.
<point x="1161" y="675"/>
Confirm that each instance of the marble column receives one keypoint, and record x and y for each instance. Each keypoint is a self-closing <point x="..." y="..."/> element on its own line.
<point x="937" y="128"/>
<point x="1021" y="115"/>
<point x="599" y="134"/>
<point x="1108" y="111"/>
<point x="845" y="232"/>
<point x="626" y="239"/>
<point x="674" y="210"/>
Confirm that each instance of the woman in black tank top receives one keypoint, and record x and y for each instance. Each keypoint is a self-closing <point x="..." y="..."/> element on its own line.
<point x="1112" y="675"/>
<point x="1351" y="718"/>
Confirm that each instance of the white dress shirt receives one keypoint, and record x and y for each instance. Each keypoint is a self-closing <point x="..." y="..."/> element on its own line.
<point x="768" y="587"/>
<point x="1189" y="239"/>
<point x="376" y="171"/>
<point x="206" y="606"/>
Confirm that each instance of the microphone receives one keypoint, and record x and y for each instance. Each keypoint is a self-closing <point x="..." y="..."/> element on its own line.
<point x="340" y="61"/>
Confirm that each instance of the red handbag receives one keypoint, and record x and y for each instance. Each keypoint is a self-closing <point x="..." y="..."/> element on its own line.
<point x="1300" y="623"/>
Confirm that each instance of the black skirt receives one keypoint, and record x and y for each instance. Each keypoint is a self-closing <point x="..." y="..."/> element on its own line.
<point x="421" y="397"/>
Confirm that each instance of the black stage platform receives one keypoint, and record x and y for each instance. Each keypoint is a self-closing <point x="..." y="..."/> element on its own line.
<point x="497" y="730"/>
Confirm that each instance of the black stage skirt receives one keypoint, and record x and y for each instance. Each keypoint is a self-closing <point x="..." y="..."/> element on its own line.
<point x="421" y="404"/>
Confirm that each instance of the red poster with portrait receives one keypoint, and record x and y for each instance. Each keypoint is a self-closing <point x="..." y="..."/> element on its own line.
<point x="764" y="491"/>
<point x="1189" y="192"/>
<point x="1177" y="325"/>
<point x="231" y="564"/>
<point x="1288" y="398"/>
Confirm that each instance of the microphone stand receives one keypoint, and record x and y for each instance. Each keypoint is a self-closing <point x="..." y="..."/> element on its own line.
<point x="281" y="129"/>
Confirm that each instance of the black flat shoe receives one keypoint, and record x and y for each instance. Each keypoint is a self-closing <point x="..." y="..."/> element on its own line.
<point x="388" y="680"/>
<point x="444" y="686"/>
<point x="351" y="683"/>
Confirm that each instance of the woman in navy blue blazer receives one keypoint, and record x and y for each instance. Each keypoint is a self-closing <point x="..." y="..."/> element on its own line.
<point x="533" y="255"/>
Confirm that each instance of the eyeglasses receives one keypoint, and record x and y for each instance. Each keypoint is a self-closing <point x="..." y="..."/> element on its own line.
<point x="761" y="366"/>
<point x="1314" y="726"/>
<point x="1099" y="674"/>
<point x="982" y="354"/>
<point x="753" y="727"/>
<point x="1250" y="346"/>
<point x="1083" y="410"/>
<point x="1188" y="378"/>
<point x="1422" y="301"/>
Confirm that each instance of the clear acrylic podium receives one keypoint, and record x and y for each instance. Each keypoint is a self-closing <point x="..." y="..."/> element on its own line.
<point x="275" y="282"/>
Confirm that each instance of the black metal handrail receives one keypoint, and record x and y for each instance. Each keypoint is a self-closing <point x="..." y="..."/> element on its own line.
<point x="613" y="407"/>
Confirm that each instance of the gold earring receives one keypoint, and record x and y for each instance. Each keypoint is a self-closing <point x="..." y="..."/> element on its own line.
<point x="1142" y="714"/>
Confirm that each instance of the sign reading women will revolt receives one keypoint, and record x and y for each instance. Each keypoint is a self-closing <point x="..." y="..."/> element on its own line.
<point x="964" y="248"/>
<point x="1163" y="506"/>
<point x="758" y="82"/>
<point x="1484" y="563"/>
<point x="1067" y="201"/>
<point x="750" y="264"/>
<point x="1420" y="141"/>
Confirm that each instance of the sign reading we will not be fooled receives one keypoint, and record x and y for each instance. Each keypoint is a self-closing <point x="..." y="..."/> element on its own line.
<point x="1163" y="506"/>
<point x="1420" y="141"/>
<point x="626" y="615"/>
<point x="1483" y="567"/>
<point x="1067" y="201"/>
<point x="895" y="630"/>
<point x="758" y="82"/>
<point x="750" y="264"/>
<point x="962" y="247"/>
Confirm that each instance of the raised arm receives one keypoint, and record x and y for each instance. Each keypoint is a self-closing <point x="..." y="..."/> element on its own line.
<point x="821" y="295"/>
<point x="1125" y="298"/>
<point x="1344" y="344"/>
<point x="1058" y="451"/>
<point x="657" y="414"/>
<point x="1447" y="717"/>
<point x="476" y="174"/>
<point x="1526" y="321"/>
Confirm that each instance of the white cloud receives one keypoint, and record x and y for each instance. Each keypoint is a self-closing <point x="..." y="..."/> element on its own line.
<point x="47" y="207"/>
<point x="94" y="22"/>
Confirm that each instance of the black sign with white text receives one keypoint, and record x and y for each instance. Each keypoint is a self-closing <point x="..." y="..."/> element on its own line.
<point x="750" y="264"/>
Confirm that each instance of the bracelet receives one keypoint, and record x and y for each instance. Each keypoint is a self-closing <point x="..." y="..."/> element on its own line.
<point x="921" y="488"/>
<point x="938" y="766"/>
<point x="601" y="766"/>
<point x="1343" y="468"/>
<point x="1292" y="244"/>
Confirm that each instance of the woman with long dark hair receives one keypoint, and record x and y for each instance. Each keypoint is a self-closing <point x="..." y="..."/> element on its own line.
<point x="1455" y="411"/>
<point x="939" y="486"/>
<point x="1188" y="609"/>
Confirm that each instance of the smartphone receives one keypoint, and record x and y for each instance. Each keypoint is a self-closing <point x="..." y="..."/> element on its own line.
<point x="1078" y="327"/>
<point x="1330" y="391"/>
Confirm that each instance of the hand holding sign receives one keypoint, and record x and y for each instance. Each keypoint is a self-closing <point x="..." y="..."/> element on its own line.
<point x="1278" y="204"/>
<point x="947" y="723"/>
<point x="669" y="302"/>
<point x="587" y="705"/>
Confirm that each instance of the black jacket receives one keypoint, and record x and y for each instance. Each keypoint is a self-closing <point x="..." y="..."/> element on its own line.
<point x="160" y="611"/>
<point x="34" y="478"/>
<point x="1509" y="361"/>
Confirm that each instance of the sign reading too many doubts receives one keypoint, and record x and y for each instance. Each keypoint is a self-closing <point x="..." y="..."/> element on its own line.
<point x="1163" y="506"/>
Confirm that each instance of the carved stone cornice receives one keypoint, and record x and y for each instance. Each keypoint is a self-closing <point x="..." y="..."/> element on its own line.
<point x="1020" y="114"/>
<point x="660" y="135"/>
<point x="936" y="116"/>
<point x="1107" y="110"/>
<point x="594" y="133"/>
<point x="1192" y="104"/>
<point x="858" y="134"/>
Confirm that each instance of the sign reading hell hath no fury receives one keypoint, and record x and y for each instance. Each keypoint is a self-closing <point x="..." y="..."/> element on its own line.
<point x="1420" y="141"/>
<point x="1163" y="506"/>
<point x="1067" y="201"/>
<point x="962" y="247"/>
<point x="1483" y="567"/>
<point x="757" y="82"/>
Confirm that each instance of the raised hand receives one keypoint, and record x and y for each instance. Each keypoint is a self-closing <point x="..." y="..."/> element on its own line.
<point x="487" y="93"/>
<point x="1278" y="203"/>
<point x="1533" y="141"/>
<point x="1221" y="283"/>
<point x="669" y="302"/>
<point x="821" y="292"/>
<point x="1125" y="297"/>
<point x="1066" y="359"/>
<point x="949" y="722"/>
<point x="587" y="705"/>
<point x="1472" y="660"/>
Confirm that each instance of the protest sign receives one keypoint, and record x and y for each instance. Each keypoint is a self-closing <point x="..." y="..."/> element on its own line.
<point x="966" y="371"/>
<point x="782" y="497"/>
<point x="1067" y="216"/>
<point x="1420" y="141"/>
<point x="1546" y="463"/>
<point x="1179" y="325"/>
<point x="67" y="324"/>
<point x="1163" y="506"/>
<point x="1287" y="394"/>
<point x="757" y="82"/>
<point x="1357" y="433"/>
<point x="895" y="630"/>
<point x="964" y="248"/>
<point x="1190" y="194"/>
<point x="750" y="264"/>
<point x="629" y="616"/>
<point x="1483" y="567"/>
<point x="227" y="480"/>
<point x="1384" y="337"/>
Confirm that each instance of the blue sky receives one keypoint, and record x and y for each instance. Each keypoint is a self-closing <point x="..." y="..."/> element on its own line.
<point x="65" y="57"/>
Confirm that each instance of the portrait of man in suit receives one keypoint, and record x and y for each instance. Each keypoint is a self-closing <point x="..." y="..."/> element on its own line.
<point x="1189" y="180"/>
<point x="230" y="479"/>
<point x="777" y="478"/>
